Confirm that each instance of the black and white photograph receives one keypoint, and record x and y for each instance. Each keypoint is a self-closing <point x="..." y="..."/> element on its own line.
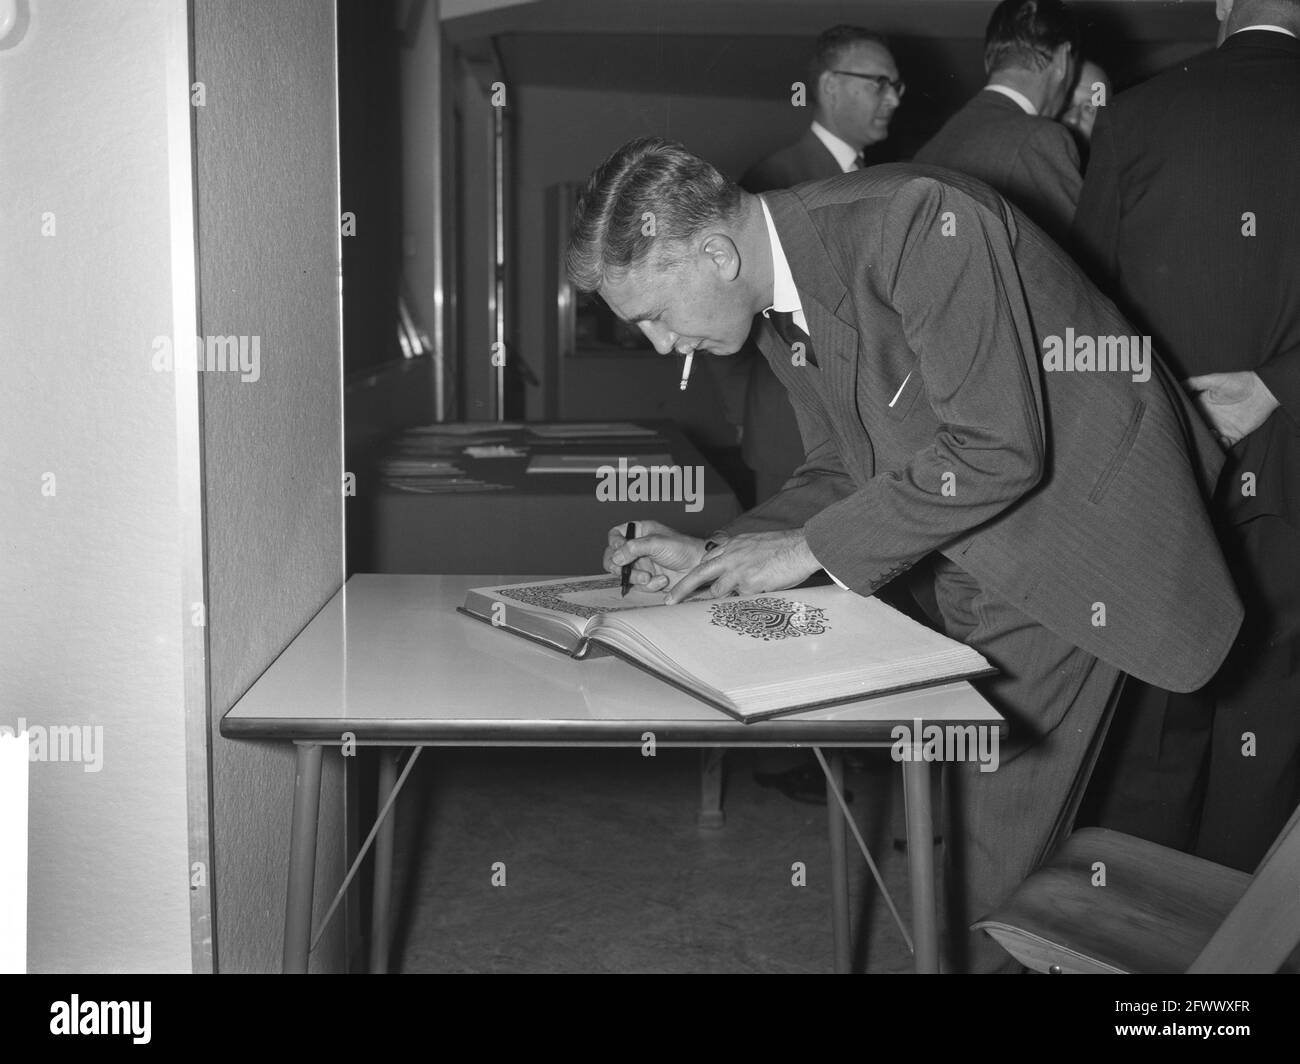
<point x="656" y="487"/>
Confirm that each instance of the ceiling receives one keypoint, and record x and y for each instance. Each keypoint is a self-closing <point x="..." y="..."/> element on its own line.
<point x="743" y="47"/>
<point x="1147" y="20"/>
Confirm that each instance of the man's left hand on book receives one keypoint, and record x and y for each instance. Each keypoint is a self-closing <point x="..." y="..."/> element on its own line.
<point x="747" y="564"/>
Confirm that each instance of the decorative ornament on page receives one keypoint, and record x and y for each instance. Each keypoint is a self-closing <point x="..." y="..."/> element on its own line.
<point x="769" y="618"/>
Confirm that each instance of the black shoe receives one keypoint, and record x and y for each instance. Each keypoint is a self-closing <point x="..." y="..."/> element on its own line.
<point x="805" y="784"/>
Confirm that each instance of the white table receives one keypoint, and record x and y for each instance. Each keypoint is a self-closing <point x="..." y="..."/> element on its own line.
<point x="388" y="662"/>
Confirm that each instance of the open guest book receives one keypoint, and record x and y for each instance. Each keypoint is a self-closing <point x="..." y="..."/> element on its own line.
<point x="752" y="657"/>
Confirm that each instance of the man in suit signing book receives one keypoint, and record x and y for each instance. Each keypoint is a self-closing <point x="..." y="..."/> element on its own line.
<point x="1008" y="134"/>
<point x="907" y="311"/>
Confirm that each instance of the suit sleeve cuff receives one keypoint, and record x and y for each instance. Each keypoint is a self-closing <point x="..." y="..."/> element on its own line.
<point x="830" y="539"/>
<point x="1280" y="377"/>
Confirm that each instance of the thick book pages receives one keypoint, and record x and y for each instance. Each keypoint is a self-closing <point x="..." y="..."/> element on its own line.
<point x="753" y="657"/>
<point x="555" y="612"/>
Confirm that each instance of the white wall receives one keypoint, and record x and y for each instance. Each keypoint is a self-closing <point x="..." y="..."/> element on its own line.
<point x="92" y="618"/>
<point x="268" y="211"/>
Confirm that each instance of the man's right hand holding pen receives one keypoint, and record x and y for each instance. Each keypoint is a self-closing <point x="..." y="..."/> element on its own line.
<point x="660" y="555"/>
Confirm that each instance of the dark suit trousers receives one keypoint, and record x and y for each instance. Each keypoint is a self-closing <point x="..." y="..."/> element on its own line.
<point x="998" y="826"/>
<point x="1217" y="772"/>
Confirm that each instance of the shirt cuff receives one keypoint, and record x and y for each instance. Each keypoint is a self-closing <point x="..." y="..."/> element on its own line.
<point x="837" y="580"/>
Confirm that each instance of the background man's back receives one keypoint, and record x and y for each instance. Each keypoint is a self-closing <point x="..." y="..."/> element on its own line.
<point x="1190" y="213"/>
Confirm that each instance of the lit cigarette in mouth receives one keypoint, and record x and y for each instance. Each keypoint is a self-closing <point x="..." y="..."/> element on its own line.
<point x="686" y="370"/>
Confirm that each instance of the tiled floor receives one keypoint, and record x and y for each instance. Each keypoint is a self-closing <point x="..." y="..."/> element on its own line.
<point x="606" y="871"/>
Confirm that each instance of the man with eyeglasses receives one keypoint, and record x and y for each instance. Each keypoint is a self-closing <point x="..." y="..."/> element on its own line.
<point x="1008" y="136"/>
<point x="854" y="89"/>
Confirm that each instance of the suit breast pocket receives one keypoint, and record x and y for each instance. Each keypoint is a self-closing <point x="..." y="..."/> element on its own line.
<point x="900" y="403"/>
<point x="1121" y="454"/>
<point x="896" y="415"/>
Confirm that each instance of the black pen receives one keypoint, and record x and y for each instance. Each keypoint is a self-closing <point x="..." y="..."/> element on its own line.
<point x="626" y="584"/>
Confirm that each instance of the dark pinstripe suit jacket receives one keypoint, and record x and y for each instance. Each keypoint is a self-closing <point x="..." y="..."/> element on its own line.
<point x="931" y="424"/>
<point x="1030" y="160"/>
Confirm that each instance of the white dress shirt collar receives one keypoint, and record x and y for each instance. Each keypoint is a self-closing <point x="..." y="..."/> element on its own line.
<point x="845" y="153"/>
<point x="785" y="296"/>
<point x="1262" y="26"/>
<point x="1012" y="94"/>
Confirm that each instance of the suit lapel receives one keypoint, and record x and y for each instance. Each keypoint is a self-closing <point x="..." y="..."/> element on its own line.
<point x="832" y="384"/>
<point x="815" y="159"/>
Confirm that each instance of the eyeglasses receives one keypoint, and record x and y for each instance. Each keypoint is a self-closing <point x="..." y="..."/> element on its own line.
<point x="881" y="81"/>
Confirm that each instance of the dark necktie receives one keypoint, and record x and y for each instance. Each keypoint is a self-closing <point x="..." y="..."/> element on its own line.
<point x="783" y="322"/>
<point x="859" y="162"/>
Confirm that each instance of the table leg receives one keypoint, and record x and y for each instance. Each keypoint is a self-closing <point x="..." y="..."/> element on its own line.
<point x="920" y="861"/>
<point x="302" y="856"/>
<point x="383" y="883"/>
<point x="840" y="928"/>
<point x="711" y="814"/>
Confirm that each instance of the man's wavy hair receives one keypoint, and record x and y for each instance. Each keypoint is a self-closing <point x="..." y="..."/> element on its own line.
<point x="645" y="203"/>
<point x="1025" y="33"/>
